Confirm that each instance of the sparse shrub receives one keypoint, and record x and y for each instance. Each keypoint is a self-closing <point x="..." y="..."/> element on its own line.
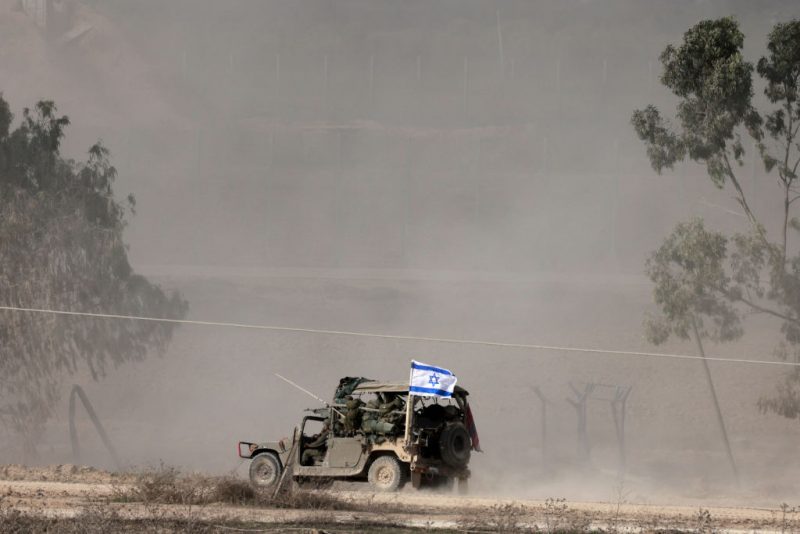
<point x="507" y="517"/>
<point x="164" y="485"/>
<point x="787" y="517"/>
<point x="167" y="485"/>
<point x="498" y="518"/>
<point x="232" y="490"/>
<point x="555" y="513"/>
<point x="621" y="497"/>
<point x="98" y="520"/>
<point x="704" y="522"/>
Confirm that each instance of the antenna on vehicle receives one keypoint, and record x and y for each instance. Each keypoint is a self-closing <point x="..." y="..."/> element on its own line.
<point x="307" y="392"/>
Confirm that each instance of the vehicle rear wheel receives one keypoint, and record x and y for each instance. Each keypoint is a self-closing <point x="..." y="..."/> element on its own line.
<point x="265" y="470"/>
<point x="455" y="445"/>
<point x="385" y="474"/>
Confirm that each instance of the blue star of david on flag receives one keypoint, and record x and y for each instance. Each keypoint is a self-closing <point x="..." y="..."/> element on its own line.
<point x="429" y="380"/>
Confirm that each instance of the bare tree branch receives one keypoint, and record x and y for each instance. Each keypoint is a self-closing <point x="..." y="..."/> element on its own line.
<point x="757" y="307"/>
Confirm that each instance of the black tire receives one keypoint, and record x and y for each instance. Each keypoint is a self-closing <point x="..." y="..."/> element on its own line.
<point x="385" y="474"/>
<point x="455" y="445"/>
<point x="265" y="470"/>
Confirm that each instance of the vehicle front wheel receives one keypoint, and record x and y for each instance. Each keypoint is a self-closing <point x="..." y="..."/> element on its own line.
<point x="265" y="470"/>
<point x="385" y="474"/>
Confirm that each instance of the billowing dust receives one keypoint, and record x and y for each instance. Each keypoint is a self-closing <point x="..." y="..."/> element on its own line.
<point x="445" y="169"/>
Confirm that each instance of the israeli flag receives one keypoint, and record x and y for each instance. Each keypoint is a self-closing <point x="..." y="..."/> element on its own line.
<point x="430" y="381"/>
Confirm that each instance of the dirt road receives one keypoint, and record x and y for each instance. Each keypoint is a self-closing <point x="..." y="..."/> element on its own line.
<point x="67" y="492"/>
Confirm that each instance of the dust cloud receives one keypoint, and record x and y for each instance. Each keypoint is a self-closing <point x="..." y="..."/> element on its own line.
<point x="451" y="169"/>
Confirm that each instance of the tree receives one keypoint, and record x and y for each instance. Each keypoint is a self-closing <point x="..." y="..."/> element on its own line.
<point x="62" y="248"/>
<point x="688" y="272"/>
<point x="705" y="281"/>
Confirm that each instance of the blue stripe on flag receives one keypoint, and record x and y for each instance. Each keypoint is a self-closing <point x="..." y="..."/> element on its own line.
<point x="430" y="391"/>
<point x="423" y="367"/>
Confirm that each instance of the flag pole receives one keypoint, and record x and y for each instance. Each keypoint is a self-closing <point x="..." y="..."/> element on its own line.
<point x="409" y="411"/>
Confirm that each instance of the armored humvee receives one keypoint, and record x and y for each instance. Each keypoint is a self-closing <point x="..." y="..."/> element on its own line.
<point x="371" y="433"/>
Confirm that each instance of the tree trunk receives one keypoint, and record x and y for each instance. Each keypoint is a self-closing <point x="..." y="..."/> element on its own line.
<point x="720" y="419"/>
<point x="785" y="225"/>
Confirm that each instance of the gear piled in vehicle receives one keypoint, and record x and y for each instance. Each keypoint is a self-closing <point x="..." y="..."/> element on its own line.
<point x="366" y="434"/>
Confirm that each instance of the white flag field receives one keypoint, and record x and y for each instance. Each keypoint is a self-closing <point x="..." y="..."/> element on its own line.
<point x="429" y="380"/>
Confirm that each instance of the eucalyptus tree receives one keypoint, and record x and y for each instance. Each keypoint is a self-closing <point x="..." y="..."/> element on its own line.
<point x="62" y="248"/>
<point x="706" y="281"/>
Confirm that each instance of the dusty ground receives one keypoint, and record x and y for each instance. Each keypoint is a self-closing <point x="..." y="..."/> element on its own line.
<point x="64" y="496"/>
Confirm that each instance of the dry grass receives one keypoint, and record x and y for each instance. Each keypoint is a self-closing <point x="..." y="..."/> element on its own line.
<point x="96" y="520"/>
<point x="499" y="518"/>
<point x="94" y="523"/>
<point x="552" y="517"/>
<point x="104" y="517"/>
<point x="173" y="502"/>
<point x="167" y="485"/>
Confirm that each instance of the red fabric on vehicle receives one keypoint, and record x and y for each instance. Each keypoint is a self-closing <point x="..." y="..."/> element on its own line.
<point x="473" y="430"/>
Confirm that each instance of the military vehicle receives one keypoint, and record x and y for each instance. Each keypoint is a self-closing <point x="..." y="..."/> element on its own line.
<point x="371" y="433"/>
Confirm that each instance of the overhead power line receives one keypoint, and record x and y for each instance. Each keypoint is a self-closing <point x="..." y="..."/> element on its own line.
<point x="529" y="346"/>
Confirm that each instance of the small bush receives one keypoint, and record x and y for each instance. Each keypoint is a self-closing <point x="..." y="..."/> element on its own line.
<point x="167" y="485"/>
<point x="498" y="518"/>
<point x="705" y="522"/>
<point x="232" y="490"/>
<point x="164" y="485"/>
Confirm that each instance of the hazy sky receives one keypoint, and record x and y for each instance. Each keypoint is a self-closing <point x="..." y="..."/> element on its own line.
<point x="350" y="156"/>
<point x="363" y="134"/>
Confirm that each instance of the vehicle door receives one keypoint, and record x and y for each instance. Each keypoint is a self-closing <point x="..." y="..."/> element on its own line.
<point x="310" y="428"/>
<point x="344" y="451"/>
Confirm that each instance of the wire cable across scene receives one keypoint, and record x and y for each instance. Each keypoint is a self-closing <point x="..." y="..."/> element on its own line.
<point x="530" y="346"/>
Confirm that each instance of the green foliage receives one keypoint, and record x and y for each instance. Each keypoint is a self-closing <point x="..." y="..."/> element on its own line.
<point x="61" y="248"/>
<point x="714" y="83"/>
<point x="781" y="70"/>
<point x="664" y="148"/>
<point x="706" y="279"/>
<point x="786" y="400"/>
<point x="690" y="279"/>
<point x="5" y="119"/>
